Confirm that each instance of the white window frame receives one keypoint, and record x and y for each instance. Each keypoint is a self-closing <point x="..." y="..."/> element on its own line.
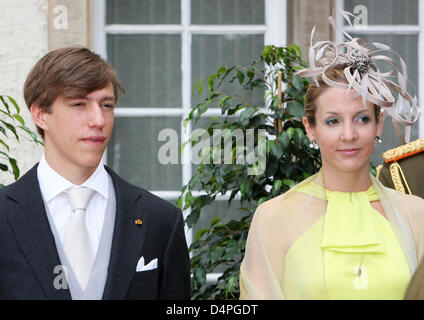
<point x="392" y="30"/>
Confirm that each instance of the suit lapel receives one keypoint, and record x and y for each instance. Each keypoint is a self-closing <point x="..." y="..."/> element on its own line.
<point x="128" y="238"/>
<point x="32" y="231"/>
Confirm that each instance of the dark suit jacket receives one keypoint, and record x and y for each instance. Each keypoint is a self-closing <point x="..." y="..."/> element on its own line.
<point x="415" y="289"/>
<point x="28" y="253"/>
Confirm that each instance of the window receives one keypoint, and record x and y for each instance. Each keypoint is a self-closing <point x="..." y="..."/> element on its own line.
<point x="160" y="48"/>
<point x="399" y="25"/>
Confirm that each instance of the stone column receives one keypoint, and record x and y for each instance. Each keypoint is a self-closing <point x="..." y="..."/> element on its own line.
<point x="23" y="39"/>
<point x="70" y="23"/>
<point x="302" y="16"/>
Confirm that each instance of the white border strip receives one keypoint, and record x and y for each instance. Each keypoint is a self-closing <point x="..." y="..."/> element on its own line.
<point x="148" y="112"/>
<point x="383" y="29"/>
<point x="176" y="28"/>
<point x="276" y="22"/>
<point x="186" y="101"/>
<point x="171" y="195"/>
<point x="339" y="21"/>
<point x="186" y="86"/>
<point x="99" y="35"/>
<point x="421" y="67"/>
<point x="176" y="112"/>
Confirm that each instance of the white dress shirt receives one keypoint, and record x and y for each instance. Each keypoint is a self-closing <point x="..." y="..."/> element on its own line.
<point x="52" y="187"/>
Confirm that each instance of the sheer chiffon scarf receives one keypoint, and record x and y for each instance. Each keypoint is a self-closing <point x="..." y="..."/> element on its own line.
<point x="279" y="222"/>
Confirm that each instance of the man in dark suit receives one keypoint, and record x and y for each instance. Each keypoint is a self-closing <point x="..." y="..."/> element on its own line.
<point x="71" y="227"/>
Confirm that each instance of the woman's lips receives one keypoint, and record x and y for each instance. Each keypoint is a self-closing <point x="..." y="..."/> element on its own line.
<point x="349" y="152"/>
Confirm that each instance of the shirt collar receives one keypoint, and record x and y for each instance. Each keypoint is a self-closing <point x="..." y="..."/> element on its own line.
<point x="52" y="183"/>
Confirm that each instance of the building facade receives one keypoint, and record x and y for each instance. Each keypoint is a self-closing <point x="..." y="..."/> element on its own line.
<point x="160" y="48"/>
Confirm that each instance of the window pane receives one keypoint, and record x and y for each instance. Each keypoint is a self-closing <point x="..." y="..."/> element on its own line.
<point x="143" y="12"/>
<point x="227" y="12"/>
<point x="407" y="47"/>
<point x="209" y="52"/>
<point x="134" y="150"/>
<point x="386" y="11"/>
<point x="149" y="67"/>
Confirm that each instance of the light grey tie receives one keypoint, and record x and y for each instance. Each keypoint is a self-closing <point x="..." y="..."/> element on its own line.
<point x="76" y="242"/>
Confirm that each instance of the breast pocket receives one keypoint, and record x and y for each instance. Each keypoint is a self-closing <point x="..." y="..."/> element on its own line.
<point x="144" y="286"/>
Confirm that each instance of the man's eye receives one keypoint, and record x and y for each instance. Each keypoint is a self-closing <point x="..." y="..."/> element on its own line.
<point x="77" y="104"/>
<point x="108" y="105"/>
<point x="332" y="122"/>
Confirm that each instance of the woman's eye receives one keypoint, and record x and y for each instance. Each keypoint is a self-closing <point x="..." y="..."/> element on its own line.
<point x="332" y="122"/>
<point x="77" y="104"/>
<point x="363" y="119"/>
<point x="108" y="105"/>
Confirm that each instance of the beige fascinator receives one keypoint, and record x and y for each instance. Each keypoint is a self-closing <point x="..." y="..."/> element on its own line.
<point x="364" y="76"/>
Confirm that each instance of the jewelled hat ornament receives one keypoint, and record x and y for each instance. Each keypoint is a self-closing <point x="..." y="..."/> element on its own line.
<point x="364" y="76"/>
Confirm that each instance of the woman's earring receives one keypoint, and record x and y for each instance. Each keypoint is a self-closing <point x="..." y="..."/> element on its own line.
<point x="314" y="145"/>
<point x="378" y="140"/>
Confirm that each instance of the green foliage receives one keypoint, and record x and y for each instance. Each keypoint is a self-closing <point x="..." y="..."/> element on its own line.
<point x="12" y="125"/>
<point x="289" y="160"/>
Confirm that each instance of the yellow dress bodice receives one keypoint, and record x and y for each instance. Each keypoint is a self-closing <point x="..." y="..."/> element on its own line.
<point x="349" y="253"/>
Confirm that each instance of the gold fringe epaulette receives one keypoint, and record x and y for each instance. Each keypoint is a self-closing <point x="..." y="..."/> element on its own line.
<point x="378" y="170"/>
<point x="404" y="151"/>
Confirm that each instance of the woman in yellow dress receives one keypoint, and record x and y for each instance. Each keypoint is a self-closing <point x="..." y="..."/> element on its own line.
<point x="339" y="234"/>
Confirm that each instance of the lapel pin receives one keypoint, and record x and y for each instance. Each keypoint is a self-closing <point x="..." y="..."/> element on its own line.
<point x="138" y="222"/>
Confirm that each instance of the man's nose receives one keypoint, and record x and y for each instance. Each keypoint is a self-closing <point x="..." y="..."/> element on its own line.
<point x="96" y="116"/>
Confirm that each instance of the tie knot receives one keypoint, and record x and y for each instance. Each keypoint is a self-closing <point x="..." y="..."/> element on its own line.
<point x="79" y="197"/>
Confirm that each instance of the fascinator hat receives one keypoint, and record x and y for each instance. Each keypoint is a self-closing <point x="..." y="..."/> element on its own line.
<point x="360" y="65"/>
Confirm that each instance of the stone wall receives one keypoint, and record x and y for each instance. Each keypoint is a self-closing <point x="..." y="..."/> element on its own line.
<point x="23" y="40"/>
<point x="29" y="29"/>
<point x="74" y="31"/>
<point x="302" y="16"/>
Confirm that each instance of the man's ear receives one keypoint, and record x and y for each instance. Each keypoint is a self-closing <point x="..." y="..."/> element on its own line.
<point x="308" y="128"/>
<point x="38" y="116"/>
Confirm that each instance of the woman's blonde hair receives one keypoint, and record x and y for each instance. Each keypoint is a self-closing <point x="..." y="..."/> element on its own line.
<point x="314" y="91"/>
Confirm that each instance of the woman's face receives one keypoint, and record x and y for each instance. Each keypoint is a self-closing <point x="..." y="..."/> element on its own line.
<point x="344" y="130"/>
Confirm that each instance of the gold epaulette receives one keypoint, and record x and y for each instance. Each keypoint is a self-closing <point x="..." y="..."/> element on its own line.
<point x="378" y="170"/>
<point x="404" y="151"/>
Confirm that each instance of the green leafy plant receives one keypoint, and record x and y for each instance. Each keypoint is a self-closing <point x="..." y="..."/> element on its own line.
<point x="12" y="124"/>
<point x="289" y="160"/>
